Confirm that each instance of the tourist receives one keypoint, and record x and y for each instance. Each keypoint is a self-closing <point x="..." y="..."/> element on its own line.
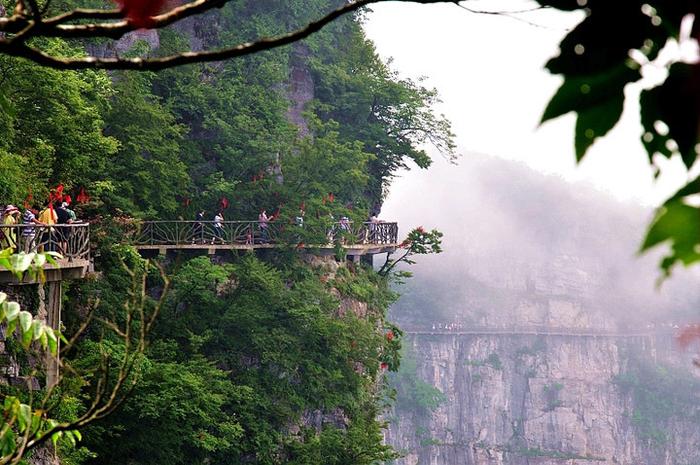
<point x="9" y="234"/>
<point x="299" y="219"/>
<point x="263" y="225"/>
<point x="218" y="228"/>
<point x="330" y="233"/>
<point x="198" y="232"/>
<point x="62" y="233"/>
<point x="373" y="222"/>
<point x="29" y="232"/>
<point x="48" y="217"/>
<point x="71" y="213"/>
<point x="344" y="227"/>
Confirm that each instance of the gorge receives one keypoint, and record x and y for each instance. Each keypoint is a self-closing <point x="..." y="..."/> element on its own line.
<point x="540" y="338"/>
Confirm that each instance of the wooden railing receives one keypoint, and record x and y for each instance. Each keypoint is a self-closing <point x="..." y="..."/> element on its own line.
<point x="72" y="241"/>
<point x="251" y="233"/>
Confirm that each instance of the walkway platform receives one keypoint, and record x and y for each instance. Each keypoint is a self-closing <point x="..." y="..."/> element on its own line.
<point x="71" y="241"/>
<point x="358" y="240"/>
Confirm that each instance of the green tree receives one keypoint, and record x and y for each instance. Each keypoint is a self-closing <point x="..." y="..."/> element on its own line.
<point x="146" y="176"/>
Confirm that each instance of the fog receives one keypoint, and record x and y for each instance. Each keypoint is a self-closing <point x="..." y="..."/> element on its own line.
<point x="516" y="237"/>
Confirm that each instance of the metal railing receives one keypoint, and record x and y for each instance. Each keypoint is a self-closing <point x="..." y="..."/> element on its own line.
<point x="251" y="233"/>
<point x="72" y="241"/>
<point x="533" y="330"/>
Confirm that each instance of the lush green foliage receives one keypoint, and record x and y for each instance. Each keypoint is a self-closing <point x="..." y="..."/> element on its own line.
<point x="256" y="361"/>
<point x="23" y="423"/>
<point x="417" y="242"/>
<point x="253" y="362"/>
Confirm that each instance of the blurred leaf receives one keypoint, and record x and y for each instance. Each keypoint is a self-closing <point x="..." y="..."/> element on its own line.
<point x="580" y="93"/>
<point x="37" y="329"/>
<point x="25" y="320"/>
<point x="678" y="224"/>
<point x="596" y="122"/>
<point x="24" y="417"/>
<point x="602" y="41"/>
<point x="675" y="103"/>
<point x="52" y="340"/>
<point x="12" y="310"/>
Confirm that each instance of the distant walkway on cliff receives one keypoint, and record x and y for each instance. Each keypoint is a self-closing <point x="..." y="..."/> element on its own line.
<point x="356" y="238"/>
<point x="531" y="331"/>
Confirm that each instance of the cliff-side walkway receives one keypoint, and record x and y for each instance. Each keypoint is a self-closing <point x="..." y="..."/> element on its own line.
<point x="531" y="331"/>
<point x="357" y="239"/>
<point x="71" y="241"/>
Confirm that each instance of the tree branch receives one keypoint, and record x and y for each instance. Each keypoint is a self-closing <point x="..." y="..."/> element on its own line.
<point x="55" y="27"/>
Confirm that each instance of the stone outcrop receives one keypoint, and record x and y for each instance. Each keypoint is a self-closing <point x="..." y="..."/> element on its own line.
<point x="300" y="90"/>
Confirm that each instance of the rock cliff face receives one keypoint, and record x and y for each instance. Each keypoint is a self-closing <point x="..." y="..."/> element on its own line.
<point x="539" y="267"/>
<point x="539" y="399"/>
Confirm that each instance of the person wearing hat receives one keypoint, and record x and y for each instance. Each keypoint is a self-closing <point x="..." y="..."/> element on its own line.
<point x="71" y="213"/>
<point x="9" y="235"/>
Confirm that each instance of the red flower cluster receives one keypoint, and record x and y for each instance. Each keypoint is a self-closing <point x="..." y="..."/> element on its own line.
<point x="82" y="196"/>
<point x="258" y="177"/>
<point x="687" y="335"/>
<point x="140" y="12"/>
<point x="384" y="365"/>
<point x="390" y="335"/>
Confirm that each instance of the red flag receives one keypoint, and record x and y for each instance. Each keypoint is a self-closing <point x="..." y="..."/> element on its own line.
<point x="223" y="203"/>
<point x="67" y="199"/>
<point x="82" y="196"/>
<point x="54" y="196"/>
<point x="140" y="12"/>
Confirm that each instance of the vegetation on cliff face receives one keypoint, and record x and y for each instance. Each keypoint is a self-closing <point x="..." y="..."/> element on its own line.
<point x="254" y="361"/>
<point x="662" y="398"/>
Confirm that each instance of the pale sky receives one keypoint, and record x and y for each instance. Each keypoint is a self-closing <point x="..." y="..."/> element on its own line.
<point x="489" y="72"/>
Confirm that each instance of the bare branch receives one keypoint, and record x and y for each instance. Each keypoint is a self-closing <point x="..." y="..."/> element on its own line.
<point x="117" y="29"/>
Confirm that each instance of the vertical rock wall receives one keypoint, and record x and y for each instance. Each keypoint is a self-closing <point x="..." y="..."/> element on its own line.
<point x="524" y="399"/>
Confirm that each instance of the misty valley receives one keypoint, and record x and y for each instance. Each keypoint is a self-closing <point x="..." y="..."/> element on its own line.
<point x="537" y="336"/>
<point x="349" y="232"/>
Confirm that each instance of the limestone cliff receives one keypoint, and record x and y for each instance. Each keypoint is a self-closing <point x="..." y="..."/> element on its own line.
<point x="542" y="399"/>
